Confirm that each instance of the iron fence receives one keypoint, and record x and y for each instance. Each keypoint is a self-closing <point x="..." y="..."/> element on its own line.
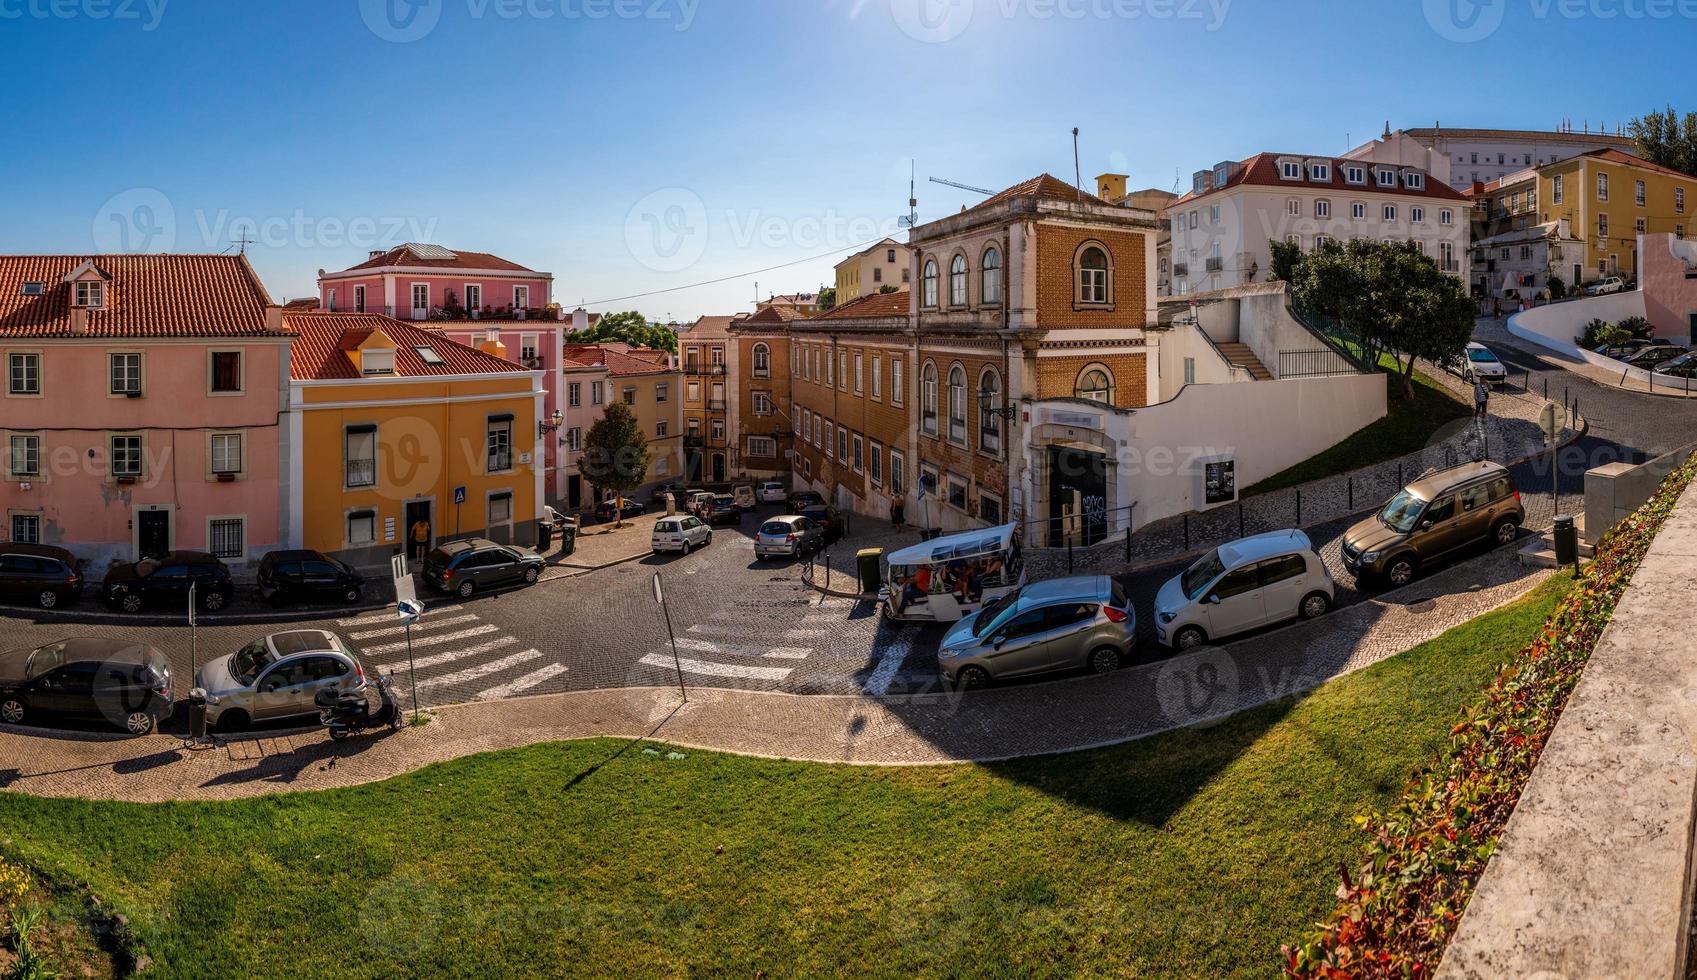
<point x="1323" y="362"/>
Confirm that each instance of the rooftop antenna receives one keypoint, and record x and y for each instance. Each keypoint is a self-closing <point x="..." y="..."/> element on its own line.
<point x="912" y="198"/>
<point x="1077" y="171"/>
<point x="243" y="242"/>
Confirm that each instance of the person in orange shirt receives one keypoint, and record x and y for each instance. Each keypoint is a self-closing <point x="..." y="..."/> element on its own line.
<point x="420" y="538"/>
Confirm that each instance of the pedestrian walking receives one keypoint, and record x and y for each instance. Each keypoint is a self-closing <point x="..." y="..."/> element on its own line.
<point x="1481" y="398"/>
<point x="898" y="512"/>
<point x="1496" y="306"/>
<point x="420" y="538"/>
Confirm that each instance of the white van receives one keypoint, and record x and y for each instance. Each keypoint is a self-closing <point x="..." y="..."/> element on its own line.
<point x="1242" y="586"/>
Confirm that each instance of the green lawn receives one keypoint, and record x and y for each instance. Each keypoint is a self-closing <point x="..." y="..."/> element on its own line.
<point x="1192" y="854"/>
<point x="1407" y="426"/>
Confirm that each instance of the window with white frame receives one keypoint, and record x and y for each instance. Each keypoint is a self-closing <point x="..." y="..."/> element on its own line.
<point x="1355" y="175"/>
<point x="1093" y="276"/>
<point x="762" y="447"/>
<point x="359" y="459"/>
<point x="1679" y="199"/>
<point x="928" y="284"/>
<point x="898" y="472"/>
<point x="362" y="527"/>
<point x="957" y="281"/>
<point x="1414" y="181"/>
<point x="877" y="376"/>
<point x="990" y="276"/>
<point x="574" y="439"/>
<point x="842" y="369"/>
<point x="499" y="455"/>
<point x="928" y="400"/>
<point x="989" y="412"/>
<point x="24" y="455"/>
<point x="717" y="430"/>
<point x="1322" y="208"/>
<point x="596" y="392"/>
<point x="1638" y="226"/>
<point x="762" y="361"/>
<point x="1320" y="241"/>
<point x="1602" y="187"/>
<point x="859" y="358"/>
<point x="1290" y="170"/>
<point x="762" y="403"/>
<point x="226" y="537"/>
<point x="897" y="393"/>
<point x="125" y="371"/>
<point x="574" y="394"/>
<point x="1638" y="193"/>
<point x="662" y="428"/>
<point x="1387" y="178"/>
<point x="474" y="295"/>
<point x="1416" y="215"/>
<point x="1293" y="207"/>
<point x="1446" y="216"/>
<point x="26" y="528"/>
<point x="420" y="298"/>
<point x="91" y="293"/>
<point x="1389" y="212"/>
<point x="662" y="392"/>
<point x="226" y="452"/>
<point x="1603" y="225"/>
<point x="1358" y="211"/>
<point x="521" y="298"/>
<point x="1556" y="189"/>
<point x="126" y="456"/>
<point x="1095" y="384"/>
<point x="957" y="405"/>
<point x="1320" y="171"/>
<point x="859" y="454"/>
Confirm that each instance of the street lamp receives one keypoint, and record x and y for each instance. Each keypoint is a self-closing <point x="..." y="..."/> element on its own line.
<point x="551" y="424"/>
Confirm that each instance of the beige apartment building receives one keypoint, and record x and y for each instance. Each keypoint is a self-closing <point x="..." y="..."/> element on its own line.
<point x="868" y="271"/>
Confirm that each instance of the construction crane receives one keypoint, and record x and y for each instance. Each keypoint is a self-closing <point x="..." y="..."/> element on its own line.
<point x="964" y="187"/>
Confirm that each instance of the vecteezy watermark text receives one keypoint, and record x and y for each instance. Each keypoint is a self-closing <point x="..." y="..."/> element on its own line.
<point x="144" y="219"/>
<point x="1468" y="21"/>
<point x="939" y="21"/>
<point x="148" y="13"/>
<point x="402" y="21"/>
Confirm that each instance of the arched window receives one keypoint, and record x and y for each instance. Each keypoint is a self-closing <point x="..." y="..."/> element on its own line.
<point x="928" y="400"/>
<point x="928" y="284"/>
<point x="989" y="412"/>
<point x="1097" y="384"/>
<point x="762" y="361"/>
<point x="957" y="281"/>
<point x="957" y="405"/>
<point x="990" y="290"/>
<point x="1093" y="276"/>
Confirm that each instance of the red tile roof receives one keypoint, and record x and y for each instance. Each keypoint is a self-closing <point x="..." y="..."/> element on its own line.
<point x="1616" y="156"/>
<point x="618" y="364"/>
<point x="404" y="255"/>
<point x="303" y="305"/>
<point x="773" y="314"/>
<point x="1044" y="187"/>
<point x="874" y="305"/>
<point x="319" y="352"/>
<point x="1262" y="169"/>
<point x="146" y="296"/>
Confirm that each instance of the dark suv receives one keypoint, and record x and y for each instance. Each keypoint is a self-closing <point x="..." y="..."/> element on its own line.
<point x="829" y="518"/>
<point x="126" y="683"/>
<point x="166" y="581"/>
<point x="307" y="576"/>
<point x="803" y="499"/>
<point x="39" y="573"/>
<point x="477" y="565"/>
<point x="1439" y="513"/>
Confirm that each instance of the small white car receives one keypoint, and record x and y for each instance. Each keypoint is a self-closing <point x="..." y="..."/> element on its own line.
<point x="681" y="534"/>
<point x="1613" y="284"/>
<point x="1483" y="365"/>
<point x="1241" y="586"/>
<point x="698" y="502"/>
<point x="772" y="493"/>
<point x="277" y="676"/>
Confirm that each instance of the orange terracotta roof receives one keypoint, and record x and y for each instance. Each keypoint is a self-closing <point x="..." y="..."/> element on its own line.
<point x="405" y="255"/>
<point x="617" y="363"/>
<point x="309" y="303"/>
<point x="774" y="314"/>
<point x="874" y="305"/>
<point x="323" y="340"/>
<point x="1262" y="169"/>
<point x="1616" y="156"/>
<point x="146" y="296"/>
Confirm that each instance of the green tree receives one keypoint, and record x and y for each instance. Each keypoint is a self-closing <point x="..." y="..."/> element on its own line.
<point x="1667" y="138"/>
<point x="1286" y="257"/>
<point x="827" y="298"/>
<point x="630" y="328"/>
<point x="615" y="455"/>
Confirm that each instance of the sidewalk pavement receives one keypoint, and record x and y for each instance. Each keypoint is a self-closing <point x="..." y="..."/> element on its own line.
<point x="602" y="545"/>
<point x="1193" y="689"/>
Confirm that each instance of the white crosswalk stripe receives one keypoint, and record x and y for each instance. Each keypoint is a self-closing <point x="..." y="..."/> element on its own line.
<point x="481" y="670"/>
<point x="385" y="618"/>
<point x="433" y="641"/>
<point x="708" y="669"/>
<point x="734" y="650"/>
<point x="433" y="624"/>
<point x="522" y="684"/>
<point x="437" y="659"/>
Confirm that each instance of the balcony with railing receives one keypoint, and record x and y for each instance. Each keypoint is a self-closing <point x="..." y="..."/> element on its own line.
<point x="360" y="473"/>
<point x="716" y="404"/>
<point x="1214" y="264"/>
<point x="1181" y="269"/>
<point x="441" y="313"/>
<point x="704" y="370"/>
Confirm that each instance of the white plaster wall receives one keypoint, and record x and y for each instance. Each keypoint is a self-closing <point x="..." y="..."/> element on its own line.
<point x="1555" y="326"/>
<point x="1183" y="341"/>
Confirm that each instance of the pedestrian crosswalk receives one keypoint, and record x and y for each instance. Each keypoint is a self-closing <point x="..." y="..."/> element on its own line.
<point x="724" y="647"/>
<point x="453" y="654"/>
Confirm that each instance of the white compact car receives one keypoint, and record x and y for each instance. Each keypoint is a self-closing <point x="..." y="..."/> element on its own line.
<point x="1241" y="586"/>
<point x="680" y="534"/>
<point x="1613" y="284"/>
<point x="773" y="493"/>
<point x="1483" y="365"/>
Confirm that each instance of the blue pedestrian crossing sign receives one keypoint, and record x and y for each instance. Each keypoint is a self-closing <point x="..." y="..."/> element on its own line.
<point x="459" y="495"/>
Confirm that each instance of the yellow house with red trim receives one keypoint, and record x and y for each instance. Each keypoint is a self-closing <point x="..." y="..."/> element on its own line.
<point x="391" y="424"/>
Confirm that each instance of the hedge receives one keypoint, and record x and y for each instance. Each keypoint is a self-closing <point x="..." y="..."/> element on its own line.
<point x="1426" y="852"/>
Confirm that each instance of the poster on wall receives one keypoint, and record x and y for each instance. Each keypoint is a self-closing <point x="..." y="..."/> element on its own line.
<point x="1219" y="482"/>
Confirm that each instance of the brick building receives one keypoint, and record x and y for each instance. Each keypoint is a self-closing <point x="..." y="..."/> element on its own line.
<point x="761" y="419"/>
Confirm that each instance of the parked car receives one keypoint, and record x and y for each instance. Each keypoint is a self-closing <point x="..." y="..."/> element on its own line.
<point x="308" y="576"/>
<point x="1624" y="349"/>
<point x="680" y="534"/>
<point x="830" y="519"/>
<point x="609" y="509"/>
<point x="791" y="536"/>
<point x="772" y="493"/>
<point x="478" y="565"/>
<point x="121" y="681"/>
<point x="40" y="573"/>
<point x="277" y="676"/>
<point x="1483" y="365"/>
<point x="1612" y="284"/>
<point x="1683" y="366"/>
<point x="1654" y="354"/>
<point x="165" y="581"/>
<point x="1435" y="515"/>
<point x="699" y="501"/>
<point x="663" y="491"/>
<point x="745" y="496"/>
<point x="1241" y="586"/>
<point x="723" y="510"/>
<point x="803" y="499"/>
<point x="1054" y="625"/>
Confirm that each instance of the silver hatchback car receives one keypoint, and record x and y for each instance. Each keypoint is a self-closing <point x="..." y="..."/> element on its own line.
<point x="788" y="537"/>
<point x="277" y="676"/>
<point x="1061" y="624"/>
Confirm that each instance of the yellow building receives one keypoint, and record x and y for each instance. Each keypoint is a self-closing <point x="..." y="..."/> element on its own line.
<point x="1610" y="198"/>
<point x="392" y="425"/>
<point x="871" y="270"/>
<point x="646" y="381"/>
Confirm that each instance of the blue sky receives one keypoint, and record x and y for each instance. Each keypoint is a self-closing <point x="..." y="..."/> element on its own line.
<point x="637" y="145"/>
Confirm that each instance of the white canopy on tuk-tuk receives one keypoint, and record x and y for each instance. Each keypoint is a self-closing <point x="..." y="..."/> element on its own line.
<point x="966" y="544"/>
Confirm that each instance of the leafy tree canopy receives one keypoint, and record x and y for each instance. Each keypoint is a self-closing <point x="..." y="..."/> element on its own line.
<point x="615" y="451"/>
<point x="631" y="328"/>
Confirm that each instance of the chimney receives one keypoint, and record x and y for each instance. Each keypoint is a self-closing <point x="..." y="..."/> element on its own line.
<point x="1111" y="187"/>
<point x="274" y="319"/>
<point x="79" y="320"/>
<point x="493" y="346"/>
<point x="1478" y="188"/>
<point x="375" y="253"/>
<point x="580" y="320"/>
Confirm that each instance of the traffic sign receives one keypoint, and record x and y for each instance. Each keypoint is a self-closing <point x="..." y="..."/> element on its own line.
<point x="459" y="495"/>
<point x="1549" y="419"/>
<point x="408" y="610"/>
<point x="405" y="590"/>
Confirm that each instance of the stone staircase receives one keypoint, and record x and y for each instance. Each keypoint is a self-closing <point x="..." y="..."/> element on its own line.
<point x="1243" y="357"/>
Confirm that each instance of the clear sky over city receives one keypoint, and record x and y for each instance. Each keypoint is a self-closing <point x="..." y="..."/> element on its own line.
<point x="629" y="146"/>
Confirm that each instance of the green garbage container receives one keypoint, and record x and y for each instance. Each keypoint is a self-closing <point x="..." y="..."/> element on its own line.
<point x="568" y="539"/>
<point x="870" y="562"/>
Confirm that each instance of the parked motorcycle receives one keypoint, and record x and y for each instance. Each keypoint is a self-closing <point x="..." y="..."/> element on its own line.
<point x="347" y="713"/>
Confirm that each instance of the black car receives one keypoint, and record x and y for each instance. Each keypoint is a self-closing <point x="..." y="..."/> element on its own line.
<point x="476" y="565"/>
<point x="165" y="581"/>
<point x="723" y="511"/>
<point x="829" y="518"/>
<point x="803" y="499"/>
<point x="308" y="576"/>
<point x="128" y="684"/>
<point x="39" y="573"/>
<point x="1624" y="349"/>
<point x="608" y="507"/>
<point x="1683" y="366"/>
<point x="1653" y="355"/>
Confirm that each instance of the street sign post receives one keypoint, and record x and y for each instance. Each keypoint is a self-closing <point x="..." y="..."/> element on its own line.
<point x="194" y="639"/>
<point x="408" y="609"/>
<point x="660" y="597"/>
<point x="1549" y="419"/>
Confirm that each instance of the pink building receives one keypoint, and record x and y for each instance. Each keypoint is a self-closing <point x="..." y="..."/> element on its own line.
<point x="1667" y="276"/>
<point x="142" y="406"/>
<point x="476" y="299"/>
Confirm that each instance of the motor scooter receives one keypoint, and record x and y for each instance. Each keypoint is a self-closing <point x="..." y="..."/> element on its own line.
<point x="345" y="713"/>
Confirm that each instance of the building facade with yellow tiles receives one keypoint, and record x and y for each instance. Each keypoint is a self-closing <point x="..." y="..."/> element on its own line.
<point x="1610" y="198"/>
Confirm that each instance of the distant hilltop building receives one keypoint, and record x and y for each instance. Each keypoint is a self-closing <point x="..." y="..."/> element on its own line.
<point x="1461" y="157"/>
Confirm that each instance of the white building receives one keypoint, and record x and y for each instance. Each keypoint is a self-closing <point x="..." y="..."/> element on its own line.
<point x="1461" y="157"/>
<point x="1223" y="228"/>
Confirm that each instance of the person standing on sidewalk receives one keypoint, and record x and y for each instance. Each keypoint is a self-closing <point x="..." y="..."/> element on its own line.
<point x="1481" y="398"/>
<point x="420" y="538"/>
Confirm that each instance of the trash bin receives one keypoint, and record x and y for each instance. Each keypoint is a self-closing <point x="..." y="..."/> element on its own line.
<point x="544" y="535"/>
<point x="197" y="713"/>
<point x="1567" y="540"/>
<point x="568" y="539"/>
<point x="870" y="562"/>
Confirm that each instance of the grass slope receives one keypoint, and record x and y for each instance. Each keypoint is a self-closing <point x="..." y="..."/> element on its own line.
<point x="1408" y="426"/>
<point x="1194" y="853"/>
